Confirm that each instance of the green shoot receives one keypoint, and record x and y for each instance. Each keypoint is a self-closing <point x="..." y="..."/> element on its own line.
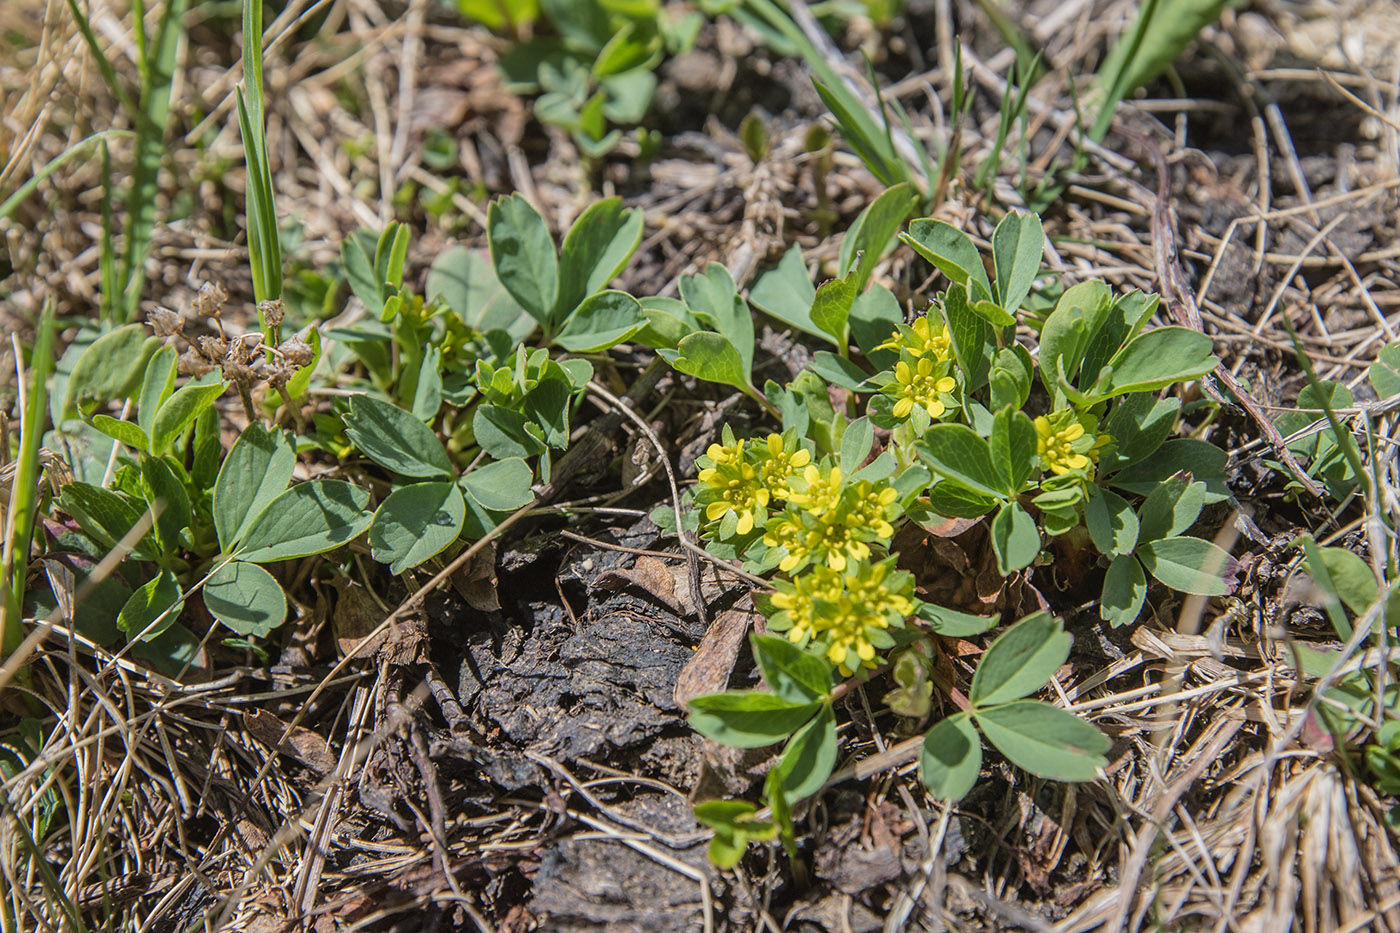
<point x="24" y="494"/>
<point x="264" y="248"/>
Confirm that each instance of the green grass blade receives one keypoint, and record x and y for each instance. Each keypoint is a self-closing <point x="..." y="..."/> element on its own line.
<point x="157" y="74"/>
<point x="8" y="206"/>
<point x="264" y="247"/>
<point x="24" y="494"/>
<point x="107" y="262"/>
<point x="104" y="64"/>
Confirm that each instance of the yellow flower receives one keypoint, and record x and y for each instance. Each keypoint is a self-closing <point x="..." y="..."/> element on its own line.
<point x="844" y="615"/>
<point x="777" y="464"/>
<point x="917" y="385"/>
<point x="925" y="335"/>
<point x="874" y="507"/>
<point x="1057" y="448"/>
<point x="820" y="489"/>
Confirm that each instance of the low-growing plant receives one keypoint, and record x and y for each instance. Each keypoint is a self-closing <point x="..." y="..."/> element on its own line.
<point x="944" y="427"/>
<point x="596" y="73"/>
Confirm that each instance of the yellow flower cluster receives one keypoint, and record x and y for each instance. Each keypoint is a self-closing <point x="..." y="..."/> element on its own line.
<point x="922" y="378"/>
<point x="845" y="615"/>
<point x="926" y="335"/>
<point x="831" y="521"/>
<point x="1066" y="445"/>
<point x="738" y="482"/>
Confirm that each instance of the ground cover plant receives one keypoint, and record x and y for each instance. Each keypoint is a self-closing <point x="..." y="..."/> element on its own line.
<point x="723" y="465"/>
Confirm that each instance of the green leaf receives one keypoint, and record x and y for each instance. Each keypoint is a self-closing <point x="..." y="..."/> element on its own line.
<point x="1017" y="246"/>
<point x="501" y="486"/>
<point x="858" y="128"/>
<point x="246" y="598"/>
<point x="1138" y="425"/>
<point x="748" y="719"/>
<point x="1012" y="447"/>
<point x="951" y="758"/>
<point x="104" y="516"/>
<point x="1160" y="358"/>
<point x="856" y="443"/>
<point x="668" y="322"/>
<point x="1124" y="591"/>
<point x="180" y="411"/>
<point x="122" y="431"/>
<point x="793" y="674"/>
<point x="869" y="238"/>
<point x="522" y="252"/>
<point x="831" y="309"/>
<point x="1046" y="741"/>
<point x="1171" y="508"/>
<point x="157" y="384"/>
<point x="809" y="757"/>
<point x="254" y="473"/>
<point x="955" y="451"/>
<point x="395" y="439"/>
<point x="839" y="371"/>
<point x="160" y="485"/>
<point x="1015" y="538"/>
<point x="952" y="253"/>
<point x="307" y="519"/>
<point x="1385" y="371"/>
<point x="952" y="623"/>
<point x="1204" y="461"/>
<point x="466" y="282"/>
<point x="1010" y="377"/>
<point x="504" y="433"/>
<point x="1191" y="565"/>
<point x="710" y="357"/>
<point x="601" y="321"/>
<point x="735" y="827"/>
<point x="874" y="317"/>
<point x="1112" y="525"/>
<point x="971" y="336"/>
<point x="787" y="293"/>
<point x="111" y="367"/>
<point x="1064" y="339"/>
<point x="714" y="298"/>
<point x="595" y="250"/>
<point x="360" y="272"/>
<point x="157" y="599"/>
<point x="1020" y="661"/>
<point x="1346" y="577"/>
<point x="416" y="522"/>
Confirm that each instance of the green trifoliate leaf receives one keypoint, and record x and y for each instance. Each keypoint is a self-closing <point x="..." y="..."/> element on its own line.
<point x="1190" y="565"/>
<point x="1124" y="590"/>
<point x="809" y="757"/>
<point x="416" y="522"/>
<point x="1020" y="661"/>
<point x="307" y="519"/>
<point x="1044" y="740"/>
<point x="395" y="439"/>
<point x="522" y="252"/>
<point x="793" y="674"/>
<point x="951" y="758"/>
<point x="246" y="598"/>
<point x="254" y="473"/>
<point x="748" y="719"/>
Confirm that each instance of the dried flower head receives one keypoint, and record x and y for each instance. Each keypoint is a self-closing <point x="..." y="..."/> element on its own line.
<point x="165" y="323"/>
<point x="211" y="300"/>
<point x="271" y="312"/>
<point x="296" y="351"/>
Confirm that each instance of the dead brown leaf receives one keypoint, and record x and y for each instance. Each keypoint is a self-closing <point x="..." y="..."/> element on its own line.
<point x="301" y="743"/>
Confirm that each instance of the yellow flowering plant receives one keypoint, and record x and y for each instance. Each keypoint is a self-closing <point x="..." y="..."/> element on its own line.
<point x="949" y="415"/>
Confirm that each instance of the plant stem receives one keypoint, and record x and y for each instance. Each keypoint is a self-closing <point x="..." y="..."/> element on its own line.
<point x="24" y="492"/>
